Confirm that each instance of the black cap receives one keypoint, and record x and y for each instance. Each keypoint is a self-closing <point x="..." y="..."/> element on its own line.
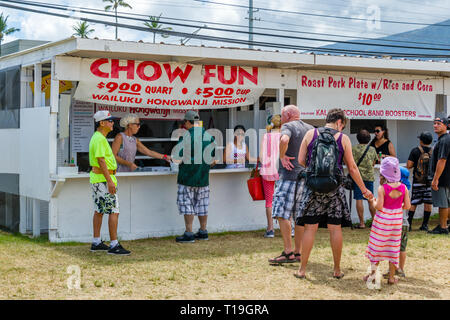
<point x="426" y="137"/>
<point x="442" y="120"/>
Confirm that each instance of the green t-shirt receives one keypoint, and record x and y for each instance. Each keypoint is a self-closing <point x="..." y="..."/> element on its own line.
<point x="195" y="175"/>
<point x="366" y="166"/>
<point x="100" y="148"/>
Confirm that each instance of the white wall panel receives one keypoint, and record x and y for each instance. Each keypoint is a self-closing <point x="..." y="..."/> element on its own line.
<point x="10" y="150"/>
<point x="34" y="153"/>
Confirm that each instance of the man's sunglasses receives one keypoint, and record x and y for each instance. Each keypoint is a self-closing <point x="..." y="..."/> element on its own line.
<point x="136" y="123"/>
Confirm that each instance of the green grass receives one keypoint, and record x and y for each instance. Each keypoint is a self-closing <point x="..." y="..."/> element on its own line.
<point x="231" y="265"/>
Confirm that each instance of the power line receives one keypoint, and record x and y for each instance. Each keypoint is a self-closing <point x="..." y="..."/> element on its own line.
<point x="66" y="7"/>
<point x="228" y="40"/>
<point x="322" y="15"/>
<point x="60" y="7"/>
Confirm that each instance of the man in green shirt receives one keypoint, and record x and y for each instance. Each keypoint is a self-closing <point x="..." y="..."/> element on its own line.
<point x="104" y="184"/>
<point x="195" y="155"/>
<point x="365" y="168"/>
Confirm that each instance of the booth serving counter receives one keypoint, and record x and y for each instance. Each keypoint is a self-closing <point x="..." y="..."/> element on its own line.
<point x="148" y="205"/>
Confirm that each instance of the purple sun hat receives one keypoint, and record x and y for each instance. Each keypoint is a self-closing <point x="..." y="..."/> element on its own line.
<point x="390" y="170"/>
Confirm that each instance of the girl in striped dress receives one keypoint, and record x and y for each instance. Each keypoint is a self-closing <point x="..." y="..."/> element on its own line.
<point x="385" y="234"/>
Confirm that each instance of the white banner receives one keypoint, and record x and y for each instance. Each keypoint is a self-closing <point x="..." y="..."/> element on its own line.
<point x="368" y="96"/>
<point x="149" y="84"/>
<point x="143" y="113"/>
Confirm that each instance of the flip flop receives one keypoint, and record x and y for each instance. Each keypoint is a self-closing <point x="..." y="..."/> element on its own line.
<point x="299" y="276"/>
<point x="340" y="276"/>
<point x="359" y="227"/>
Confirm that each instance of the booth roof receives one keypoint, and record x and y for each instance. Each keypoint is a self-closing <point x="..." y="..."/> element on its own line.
<point x="139" y="50"/>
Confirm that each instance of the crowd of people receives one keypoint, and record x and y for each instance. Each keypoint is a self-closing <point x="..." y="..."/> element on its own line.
<point x="307" y="186"/>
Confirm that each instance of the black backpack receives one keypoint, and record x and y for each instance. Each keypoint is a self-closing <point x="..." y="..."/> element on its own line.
<point x="323" y="174"/>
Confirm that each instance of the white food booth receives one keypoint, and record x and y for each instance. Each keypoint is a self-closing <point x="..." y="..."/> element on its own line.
<point x="43" y="134"/>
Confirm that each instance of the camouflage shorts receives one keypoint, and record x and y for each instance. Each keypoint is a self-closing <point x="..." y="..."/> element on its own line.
<point x="404" y="241"/>
<point x="104" y="202"/>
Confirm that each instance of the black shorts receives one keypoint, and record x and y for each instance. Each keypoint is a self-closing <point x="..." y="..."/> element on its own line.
<point x="421" y="193"/>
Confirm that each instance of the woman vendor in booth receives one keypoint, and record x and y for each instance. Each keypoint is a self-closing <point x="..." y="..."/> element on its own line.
<point x="125" y="145"/>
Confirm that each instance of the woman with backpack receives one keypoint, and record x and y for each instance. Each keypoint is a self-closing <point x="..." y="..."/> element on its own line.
<point x="323" y="152"/>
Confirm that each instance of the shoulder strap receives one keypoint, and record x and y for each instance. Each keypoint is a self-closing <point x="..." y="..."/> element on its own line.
<point x="421" y="150"/>
<point x="363" y="155"/>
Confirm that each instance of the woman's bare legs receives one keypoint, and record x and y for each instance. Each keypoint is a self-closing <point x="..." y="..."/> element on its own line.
<point x="307" y="244"/>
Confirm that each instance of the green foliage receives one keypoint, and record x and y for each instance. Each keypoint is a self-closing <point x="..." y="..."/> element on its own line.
<point x="153" y="24"/>
<point x="82" y="29"/>
<point x="4" y="30"/>
<point x="115" y="4"/>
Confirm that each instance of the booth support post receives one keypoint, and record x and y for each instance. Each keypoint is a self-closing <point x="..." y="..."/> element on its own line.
<point x="37" y="103"/>
<point x="280" y="97"/>
<point x="53" y="150"/>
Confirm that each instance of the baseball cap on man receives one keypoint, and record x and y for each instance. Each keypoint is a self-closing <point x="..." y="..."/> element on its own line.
<point x="102" y="115"/>
<point x="191" y="115"/>
<point x="426" y="137"/>
<point x="442" y="120"/>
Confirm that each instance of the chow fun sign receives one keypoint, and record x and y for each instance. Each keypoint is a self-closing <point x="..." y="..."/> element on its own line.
<point x="368" y="96"/>
<point x="150" y="84"/>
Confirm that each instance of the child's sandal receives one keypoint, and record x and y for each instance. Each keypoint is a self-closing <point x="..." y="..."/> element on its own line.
<point x="392" y="283"/>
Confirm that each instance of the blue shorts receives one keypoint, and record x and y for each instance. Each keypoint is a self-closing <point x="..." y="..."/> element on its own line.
<point x="357" y="194"/>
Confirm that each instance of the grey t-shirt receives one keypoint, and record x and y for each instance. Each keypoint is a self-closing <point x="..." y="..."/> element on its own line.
<point x="296" y="131"/>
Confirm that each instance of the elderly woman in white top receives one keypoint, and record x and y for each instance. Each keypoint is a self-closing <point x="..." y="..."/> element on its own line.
<point x="125" y="145"/>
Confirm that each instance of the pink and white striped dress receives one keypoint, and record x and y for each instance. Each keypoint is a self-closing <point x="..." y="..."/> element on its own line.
<point x="386" y="231"/>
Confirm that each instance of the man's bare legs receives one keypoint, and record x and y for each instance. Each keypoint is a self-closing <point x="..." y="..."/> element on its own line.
<point x="285" y="228"/>
<point x="113" y="222"/>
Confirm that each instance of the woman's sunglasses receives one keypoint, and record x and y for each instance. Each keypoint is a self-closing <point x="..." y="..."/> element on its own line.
<point x="377" y="131"/>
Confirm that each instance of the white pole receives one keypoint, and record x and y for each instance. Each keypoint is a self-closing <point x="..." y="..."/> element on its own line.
<point x="23" y="215"/>
<point x="280" y="97"/>
<point x="36" y="218"/>
<point x="53" y="150"/>
<point x="37" y="85"/>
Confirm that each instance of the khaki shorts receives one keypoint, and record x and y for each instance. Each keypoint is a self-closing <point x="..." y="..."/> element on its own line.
<point x="441" y="197"/>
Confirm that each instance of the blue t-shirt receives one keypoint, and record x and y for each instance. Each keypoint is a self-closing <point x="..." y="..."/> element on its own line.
<point x="405" y="177"/>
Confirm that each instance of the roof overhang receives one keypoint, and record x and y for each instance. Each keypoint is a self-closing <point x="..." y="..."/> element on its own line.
<point x="94" y="48"/>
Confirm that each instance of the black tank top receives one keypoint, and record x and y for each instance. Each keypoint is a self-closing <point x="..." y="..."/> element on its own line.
<point x="384" y="148"/>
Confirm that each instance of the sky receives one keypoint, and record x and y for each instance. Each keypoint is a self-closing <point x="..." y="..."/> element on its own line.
<point x="44" y="27"/>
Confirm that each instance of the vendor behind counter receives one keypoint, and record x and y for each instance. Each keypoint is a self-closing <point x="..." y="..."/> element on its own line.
<point x="126" y="144"/>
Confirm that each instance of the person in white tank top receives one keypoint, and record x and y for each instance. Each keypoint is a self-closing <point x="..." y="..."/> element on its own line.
<point x="237" y="152"/>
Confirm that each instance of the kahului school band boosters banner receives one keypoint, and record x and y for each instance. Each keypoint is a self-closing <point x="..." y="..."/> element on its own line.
<point x="368" y="96"/>
<point x="149" y="84"/>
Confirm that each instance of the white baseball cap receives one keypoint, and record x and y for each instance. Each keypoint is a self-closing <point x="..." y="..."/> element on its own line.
<point x="103" y="115"/>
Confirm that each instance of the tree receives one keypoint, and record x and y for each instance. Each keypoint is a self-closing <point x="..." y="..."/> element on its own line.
<point x="153" y="24"/>
<point x="114" y="5"/>
<point x="4" y="30"/>
<point x="82" y="29"/>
